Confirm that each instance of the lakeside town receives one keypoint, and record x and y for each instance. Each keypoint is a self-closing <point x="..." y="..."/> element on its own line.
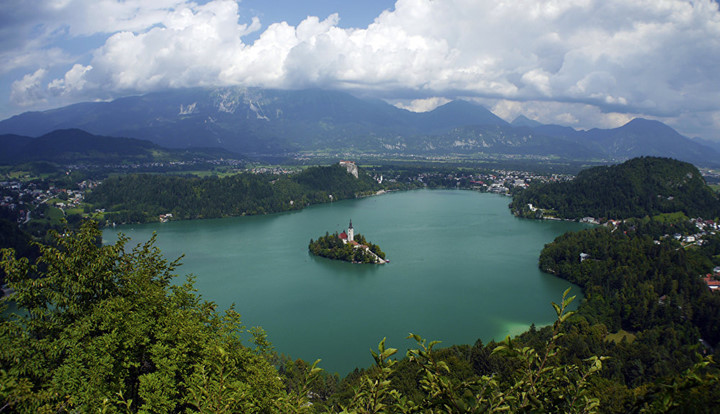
<point x="22" y="196"/>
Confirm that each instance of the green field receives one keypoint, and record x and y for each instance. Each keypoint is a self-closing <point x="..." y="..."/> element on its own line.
<point x="617" y="337"/>
<point x="676" y="217"/>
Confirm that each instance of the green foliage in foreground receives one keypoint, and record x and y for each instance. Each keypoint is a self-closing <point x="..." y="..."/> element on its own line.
<point x="103" y="329"/>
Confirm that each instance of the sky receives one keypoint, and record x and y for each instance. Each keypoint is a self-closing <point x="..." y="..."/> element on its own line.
<point x="580" y="63"/>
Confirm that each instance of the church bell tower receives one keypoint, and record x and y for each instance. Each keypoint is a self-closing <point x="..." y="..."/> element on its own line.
<point x="350" y="232"/>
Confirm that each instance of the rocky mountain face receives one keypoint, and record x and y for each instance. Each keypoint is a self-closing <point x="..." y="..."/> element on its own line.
<point x="261" y="122"/>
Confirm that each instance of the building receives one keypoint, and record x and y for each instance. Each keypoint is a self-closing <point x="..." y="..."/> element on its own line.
<point x="713" y="284"/>
<point x="348" y="237"/>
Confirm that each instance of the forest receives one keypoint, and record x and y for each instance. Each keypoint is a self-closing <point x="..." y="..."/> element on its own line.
<point x="332" y="247"/>
<point x="644" y="186"/>
<point x="143" y="197"/>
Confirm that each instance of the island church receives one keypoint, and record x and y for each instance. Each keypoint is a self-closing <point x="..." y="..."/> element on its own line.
<point x="349" y="236"/>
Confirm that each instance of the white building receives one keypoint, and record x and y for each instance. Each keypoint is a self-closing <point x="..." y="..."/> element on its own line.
<point x="348" y="236"/>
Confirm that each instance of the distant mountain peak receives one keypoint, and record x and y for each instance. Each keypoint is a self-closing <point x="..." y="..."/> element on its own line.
<point x="459" y="113"/>
<point x="523" y="121"/>
<point x="67" y="133"/>
<point x="649" y="125"/>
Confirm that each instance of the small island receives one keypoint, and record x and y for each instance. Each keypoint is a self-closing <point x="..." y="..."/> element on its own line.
<point x="347" y="246"/>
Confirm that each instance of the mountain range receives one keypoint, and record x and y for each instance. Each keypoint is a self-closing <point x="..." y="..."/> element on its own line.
<point x="265" y="122"/>
<point x="78" y="146"/>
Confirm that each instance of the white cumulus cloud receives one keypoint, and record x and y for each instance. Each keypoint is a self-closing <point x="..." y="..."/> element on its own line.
<point x="29" y="90"/>
<point x="422" y="105"/>
<point x="74" y="81"/>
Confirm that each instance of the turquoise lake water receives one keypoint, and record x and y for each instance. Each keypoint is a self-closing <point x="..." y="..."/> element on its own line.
<point x="462" y="268"/>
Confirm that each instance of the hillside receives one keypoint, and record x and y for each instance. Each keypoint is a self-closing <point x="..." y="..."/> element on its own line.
<point x="640" y="187"/>
<point x="267" y="122"/>
<point x="143" y="197"/>
<point x="78" y="146"/>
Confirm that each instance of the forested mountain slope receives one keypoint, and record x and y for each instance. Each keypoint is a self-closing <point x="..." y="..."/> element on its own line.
<point x="637" y="188"/>
<point x="143" y="197"/>
<point x="77" y="146"/>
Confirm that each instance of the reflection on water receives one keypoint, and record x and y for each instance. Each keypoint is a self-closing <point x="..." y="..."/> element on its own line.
<point x="342" y="269"/>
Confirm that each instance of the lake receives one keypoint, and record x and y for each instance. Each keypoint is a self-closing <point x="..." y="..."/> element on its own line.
<point x="462" y="268"/>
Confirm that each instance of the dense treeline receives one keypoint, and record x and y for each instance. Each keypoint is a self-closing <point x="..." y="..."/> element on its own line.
<point x="104" y="330"/>
<point x="332" y="247"/>
<point x="640" y="187"/>
<point x="143" y="197"/>
<point x="651" y="289"/>
<point x="625" y="274"/>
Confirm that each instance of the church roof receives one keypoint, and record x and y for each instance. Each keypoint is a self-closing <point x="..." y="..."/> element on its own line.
<point x="343" y="236"/>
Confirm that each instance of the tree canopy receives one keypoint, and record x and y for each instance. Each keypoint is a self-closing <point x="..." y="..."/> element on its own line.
<point x="143" y="197"/>
<point x="104" y="329"/>
<point x="640" y="187"/>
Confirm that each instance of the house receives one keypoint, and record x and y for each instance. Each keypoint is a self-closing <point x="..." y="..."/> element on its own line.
<point x="713" y="284"/>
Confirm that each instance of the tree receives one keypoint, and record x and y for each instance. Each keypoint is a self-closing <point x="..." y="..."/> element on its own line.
<point x="104" y="329"/>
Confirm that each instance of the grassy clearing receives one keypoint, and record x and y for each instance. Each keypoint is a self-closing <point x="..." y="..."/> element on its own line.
<point x="76" y="210"/>
<point x="20" y="175"/>
<point x="617" y="337"/>
<point x="207" y="173"/>
<point x="55" y="215"/>
<point x="676" y="217"/>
